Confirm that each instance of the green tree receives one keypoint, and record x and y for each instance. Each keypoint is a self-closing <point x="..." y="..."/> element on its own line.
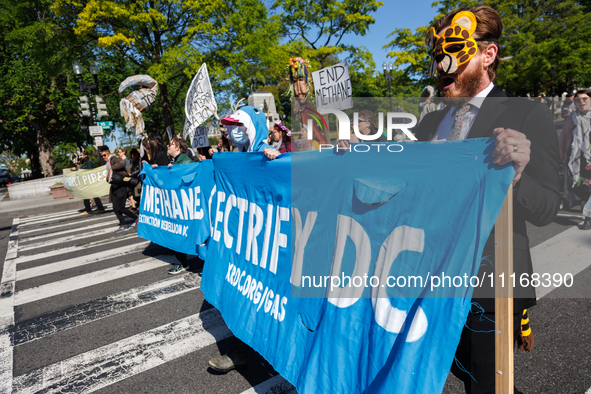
<point x="317" y="29"/>
<point x="37" y="94"/>
<point x="170" y="39"/>
<point x="538" y="36"/>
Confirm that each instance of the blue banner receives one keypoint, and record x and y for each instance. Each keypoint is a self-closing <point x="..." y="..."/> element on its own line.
<point x="174" y="211"/>
<point x="283" y="230"/>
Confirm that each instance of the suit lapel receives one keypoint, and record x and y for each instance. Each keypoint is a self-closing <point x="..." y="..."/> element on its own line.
<point x="491" y="109"/>
<point x="434" y="121"/>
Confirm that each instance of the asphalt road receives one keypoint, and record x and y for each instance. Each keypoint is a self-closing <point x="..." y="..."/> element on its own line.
<point x="97" y="311"/>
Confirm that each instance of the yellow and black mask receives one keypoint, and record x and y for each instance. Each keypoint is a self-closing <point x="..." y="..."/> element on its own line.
<point x="455" y="46"/>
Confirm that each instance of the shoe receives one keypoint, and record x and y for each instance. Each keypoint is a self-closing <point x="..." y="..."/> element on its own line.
<point x="84" y="213"/>
<point x="122" y="228"/>
<point x="100" y="211"/>
<point x="586" y="224"/>
<point x="177" y="269"/>
<point x="134" y="225"/>
<point x="229" y="361"/>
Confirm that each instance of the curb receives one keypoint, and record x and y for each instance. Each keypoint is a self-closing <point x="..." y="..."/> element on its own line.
<point x="46" y="209"/>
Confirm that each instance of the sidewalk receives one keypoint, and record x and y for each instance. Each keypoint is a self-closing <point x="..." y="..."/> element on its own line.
<point x="36" y="205"/>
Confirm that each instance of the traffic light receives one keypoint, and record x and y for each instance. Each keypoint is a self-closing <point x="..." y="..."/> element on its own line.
<point x="101" y="107"/>
<point x="83" y="122"/>
<point x="83" y="106"/>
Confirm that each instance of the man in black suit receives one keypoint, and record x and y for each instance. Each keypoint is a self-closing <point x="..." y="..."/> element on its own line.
<point x="525" y="135"/>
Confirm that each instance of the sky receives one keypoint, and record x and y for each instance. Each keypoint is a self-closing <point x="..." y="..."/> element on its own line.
<point x="392" y="15"/>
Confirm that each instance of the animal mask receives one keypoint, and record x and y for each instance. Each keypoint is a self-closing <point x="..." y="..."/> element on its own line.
<point x="455" y="46"/>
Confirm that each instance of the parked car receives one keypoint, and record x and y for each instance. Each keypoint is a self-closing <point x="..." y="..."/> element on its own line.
<point x="4" y="176"/>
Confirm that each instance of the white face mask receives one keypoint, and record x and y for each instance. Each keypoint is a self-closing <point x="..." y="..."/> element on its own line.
<point x="238" y="134"/>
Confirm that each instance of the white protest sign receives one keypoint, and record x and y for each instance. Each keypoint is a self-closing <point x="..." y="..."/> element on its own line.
<point x="332" y="86"/>
<point x="200" y="103"/>
<point x="200" y="139"/>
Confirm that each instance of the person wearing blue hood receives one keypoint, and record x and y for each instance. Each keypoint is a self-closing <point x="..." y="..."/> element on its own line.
<point x="247" y="128"/>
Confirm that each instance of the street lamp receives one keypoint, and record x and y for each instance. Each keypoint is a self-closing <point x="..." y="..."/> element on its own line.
<point x="388" y="77"/>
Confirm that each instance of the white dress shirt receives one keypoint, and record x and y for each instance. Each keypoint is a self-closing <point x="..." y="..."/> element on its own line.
<point x="444" y="129"/>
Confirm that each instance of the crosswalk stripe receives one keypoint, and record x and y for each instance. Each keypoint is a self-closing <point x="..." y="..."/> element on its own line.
<point x="36" y="221"/>
<point x="7" y="286"/>
<point x="66" y="319"/>
<point x="76" y="237"/>
<point x="42" y="216"/>
<point x="93" y="218"/>
<point x="275" y="385"/>
<point x="73" y="212"/>
<point x="79" y="262"/>
<point x="49" y="218"/>
<point x="73" y="249"/>
<point x="120" y="360"/>
<point x="93" y="278"/>
<point x="110" y="223"/>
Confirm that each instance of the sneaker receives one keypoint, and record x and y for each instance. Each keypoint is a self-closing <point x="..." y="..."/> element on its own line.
<point x="84" y="213"/>
<point x="134" y="225"/>
<point x="586" y="225"/>
<point x="121" y="229"/>
<point x="229" y="361"/>
<point x="177" y="269"/>
<point x="100" y="211"/>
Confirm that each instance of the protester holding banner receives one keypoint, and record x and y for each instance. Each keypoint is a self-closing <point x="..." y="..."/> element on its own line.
<point x="281" y="138"/>
<point x="88" y="165"/>
<point x="176" y="154"/>
<point x="154" y="155"/>
<point x="525" y="136"/>
<point x="247" y="127"/>
<point x="178" y="157"/>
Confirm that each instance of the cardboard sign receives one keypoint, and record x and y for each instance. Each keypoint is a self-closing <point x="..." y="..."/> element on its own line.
<point x="200" y="139"/>
<point x="332" y="86"/>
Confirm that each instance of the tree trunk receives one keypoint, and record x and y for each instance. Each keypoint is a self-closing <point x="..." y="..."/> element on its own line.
<point x="33" y="154"/>
<point x="166" y="107"/>
<point x="45" y="152"/>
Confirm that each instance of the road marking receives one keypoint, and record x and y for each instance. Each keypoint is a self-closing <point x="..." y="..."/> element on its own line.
<point x="74" y="230"/>
<point x="567" y="252"/>
<point x="78" y="315"/>
<point x="61" y="216"/>
<point x="275" y="385"/>
<point x="70" y="238"/>
<point x="7" y="286"/>
<point x="93" y="278"/>
<point x="74" y="249"/>
<point x="112" y="363"/>
<point x="78" y="222"/>
<point x="33" y="220"/>
<point x="80" y="261"/>
<point x="72" y="212"/>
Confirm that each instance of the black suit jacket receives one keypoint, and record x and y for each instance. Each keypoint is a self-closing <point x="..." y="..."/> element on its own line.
<point x="536" y="195"/>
